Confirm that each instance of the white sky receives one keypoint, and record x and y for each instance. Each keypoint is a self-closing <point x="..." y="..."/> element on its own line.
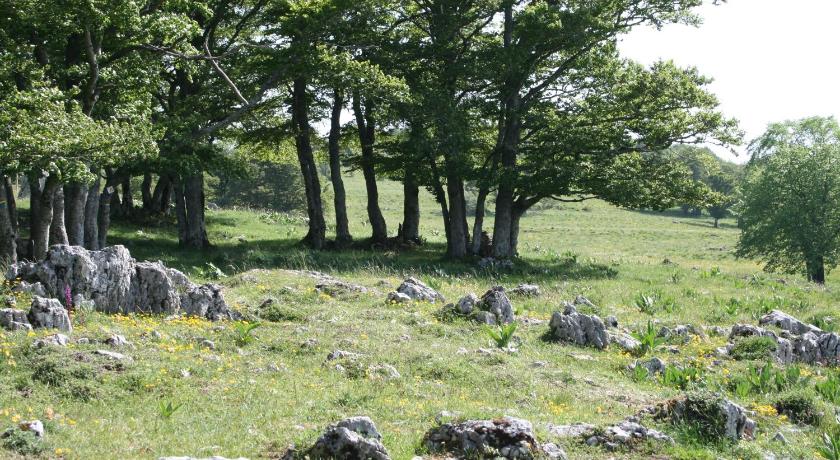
<point x="772" y="60"/>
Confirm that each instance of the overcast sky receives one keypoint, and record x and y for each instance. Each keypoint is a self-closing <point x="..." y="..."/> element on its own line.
<point x="772" y="60"/>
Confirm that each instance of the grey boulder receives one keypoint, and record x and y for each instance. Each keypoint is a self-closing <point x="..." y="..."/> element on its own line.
<point x="49" y="314"/>
<point x="417" y="290"/>
<point x="584" y="330"/>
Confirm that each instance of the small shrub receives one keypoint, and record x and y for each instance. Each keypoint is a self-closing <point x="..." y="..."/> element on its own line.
<point x="681" y="378"/>
<point x="502" y="335"/>
<point x="753" y="349"/>
<point x="704" y="415"/>
<point x="23" y="442"/>
<point x="646" y="302"/>
<point x="639" y="373"/>
<point x="649" y="339"/>
<point x="276" y="313"/>
<point x="799" y="407"/>
<point x="50" y="373"/>
<point x="244" y="333"/>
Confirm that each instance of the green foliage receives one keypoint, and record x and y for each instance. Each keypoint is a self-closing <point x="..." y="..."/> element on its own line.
<point x="829" y="389"/>
<point x="791" y="198"/>
<point x="766" y="380"/>
<point x="639" y="373"/>
<point x="244" y="332"/>
<point x="210" y="271"/>
<point x="264" y="185"/>
<point x="830" y="450"/>
<point x="704" y="414"/>
<point x="168" y="409"/>
<point x="682" y="378"/>
<point x="799" y="406"/>
<point x="753" y="348"/>
<point x="501" y="335"/>
<point x="22" y="442"/>
<point x="648" y="338"/>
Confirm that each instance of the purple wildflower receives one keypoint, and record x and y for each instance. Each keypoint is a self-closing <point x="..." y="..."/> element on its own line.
<point x="68" y="297"/>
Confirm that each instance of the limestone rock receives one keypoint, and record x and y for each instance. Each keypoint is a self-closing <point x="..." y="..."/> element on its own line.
<point x="788" y="323"/>
<point x="625" y="341"/>
<point x="417" y="290"/>
<point x="56" y="340"/>
<point x="117" y="341"/>
<point x="467" y="304"/>
<point x="112" y="355"/>
<point x="626" y="432"/>
<point x="398" y="297"/>
<point x="653" y="366"/>
<point x="496" y="303"/>
<point x="716" y="414"/>
<point x="582" y="300"/>
<point x="526" y="290"/>
<point x="34" y="426"/>
<point x="49" y="314"/>
<point x="342" y="440"/>
<point x="576" y="430"/>
<point x="208" y="302"/>
<point x="14" y="319"/>
<point x="506" y="437"/>
<point x="585" y="330"/>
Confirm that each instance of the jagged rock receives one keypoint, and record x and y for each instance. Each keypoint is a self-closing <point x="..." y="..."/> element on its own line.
<point x="625" y="341"/>
<point x="715" y="414"/>
<point x="653" y="365"/>
<point x="554" y="452"/>
<point x="581" y="300"/>
<point x="506" y="437"/>
<point x="112" y="355"/>
<point x="467" y="304"/>
<point x="354" y="438"/>
<point x="416" y="290"/>
<point x="334" y="287"/>
<point x="115" y="282"/>
<point x="56" y="340"/>
<point x="341" y="354"/>
<point x="576" y="430"/>
<point x="14" y="320"/>
<point x="30" y="288"/>
<point x="9" y="301"/>
<point x="496" y="305"/>
<point x="34" y="426"/>
<point x="577" y="328"/>
<point x="788" y="323"/>
<point x="117" y="341"/>
<point x="526" y="290"/>
<point x="49" y="314"/>
<point x="626" y="432"/>
<point x="398" y="297"/>
<point x="611" y="321"/>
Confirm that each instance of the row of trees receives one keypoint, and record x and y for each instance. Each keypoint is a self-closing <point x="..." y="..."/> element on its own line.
<point x="527" y="100"/>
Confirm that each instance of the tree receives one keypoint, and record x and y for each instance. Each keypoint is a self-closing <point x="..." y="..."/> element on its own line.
<point x="723" y="184"/>
<point x="790" y="213"/>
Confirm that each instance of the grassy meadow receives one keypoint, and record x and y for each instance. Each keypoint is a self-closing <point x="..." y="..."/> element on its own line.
<point x="253" y="397"/>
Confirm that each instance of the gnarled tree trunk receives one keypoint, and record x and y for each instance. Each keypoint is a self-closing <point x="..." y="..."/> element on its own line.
<point x="367" y="137"/>
<point x="342" y="225"/>
<point x="8" y="236"/>
<point x="316" y="236"/>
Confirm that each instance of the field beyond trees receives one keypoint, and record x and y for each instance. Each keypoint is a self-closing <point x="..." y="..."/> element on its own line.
<point x="252" y="397"/>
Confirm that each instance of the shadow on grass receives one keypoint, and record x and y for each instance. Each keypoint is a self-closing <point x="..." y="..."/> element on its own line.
<point x="235" y="256"/>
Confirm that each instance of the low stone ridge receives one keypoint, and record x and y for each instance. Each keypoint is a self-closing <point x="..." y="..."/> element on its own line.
<point x="584" y="330"/>
<point x="526" y="290"/>
<point x="507" y="437"/>
<point x="116" y="283"/>
<point x="353" y="438"/>
<point x="417" y="290"/>
<point x="625" y="433"/>
<point x="798" y="341"/>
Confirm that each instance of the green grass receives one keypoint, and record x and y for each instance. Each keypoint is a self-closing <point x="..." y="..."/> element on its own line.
<point x="252" y="397"/>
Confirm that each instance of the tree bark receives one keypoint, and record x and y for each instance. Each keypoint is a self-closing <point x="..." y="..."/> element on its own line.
<point x="196" y="231"/>
<point x="43" y="219"/>
<point x="816" y="270"/>
<point x="717" y="225"/>
<point x="146" y="192"/>
<point x="478" y="223"/>
<point x="75" y="199"/>
<point x="180" y="209"/>
<point x="127" y="197"/>
<point x="316" y="236"/>
<point x="104" y="217"/>
<point x="342" y="225"/>
<point x="11" y="203"/>
<point x="367" y="137"/>
<point x="58" y="232"/>
<point x="8" y="236"/>
<point x="458" y="229"/>
<point x="161" y="195"/>
<point x="411" y="209"/>
<point x="92" y="214"/>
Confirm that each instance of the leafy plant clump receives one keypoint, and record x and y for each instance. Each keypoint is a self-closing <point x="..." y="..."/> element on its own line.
<point x="648" y="338"/>
<point x="244" y="333"/>
<point x="830" y="388"/>
<point x="753" y="349"/>
<point x="502" y="335"/>
<point x="799" y="406"/>
<point x="22" y="442"/>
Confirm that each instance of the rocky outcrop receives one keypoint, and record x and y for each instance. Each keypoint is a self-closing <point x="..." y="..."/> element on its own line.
<point x="14" y="320"/>
<point x="717" y="417"/>
<point x="626" y="432"/>
<point x="116" y="283"/>
<point x="398" y="297"/>
<point x="584" y="330"/>
<point x="507" y="437"/>
<point x="417" y="290"/>
<point x="49" y="314"/>
<point x="788" y="323"/>
<point x="811" y="346"/>
<point x="355" y="438"/>
<point x="494" y="307"/>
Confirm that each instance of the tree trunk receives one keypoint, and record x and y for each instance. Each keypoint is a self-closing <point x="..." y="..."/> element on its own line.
<point x="411" y="209"/>
<point x="458" y="229"/>
<point x="75" y="199"/>
<point x="180" y="209"/>
<point x="196" y="235"/>
<point x="514" y="232"/>
<point x="717" y="225"/>
<point x="8" y="236"/>
<point x="91" y="233"/>
<point x="478" y="224"/>
<point x="127" y="197"/>
<point x="162" y="195"/>
<point x="11" y="203"/>
<point x="816" y="270"/>
<point x="342" y="225"/>
<point x="58" y="232"/>
<point x="146" y="192"/>
<point x="104" y="217"/>
<point x="42" y="220"/>
<point x="367" y="137"/>
<point x="316" y="236"/>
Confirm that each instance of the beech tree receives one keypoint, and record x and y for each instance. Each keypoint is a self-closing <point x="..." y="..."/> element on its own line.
<point x="790" y="210"/>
